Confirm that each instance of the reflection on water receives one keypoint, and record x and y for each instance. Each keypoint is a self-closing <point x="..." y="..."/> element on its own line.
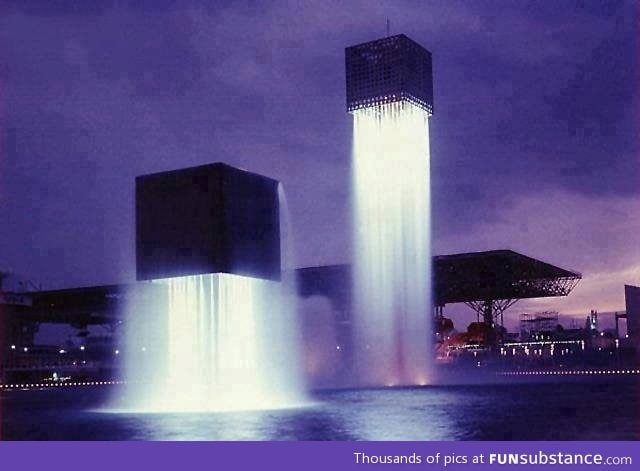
<point x="497" y="412"/>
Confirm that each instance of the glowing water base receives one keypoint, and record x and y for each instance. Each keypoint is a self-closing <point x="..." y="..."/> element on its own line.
<point x="392" y="244"/>
<point x="230" y="345"/>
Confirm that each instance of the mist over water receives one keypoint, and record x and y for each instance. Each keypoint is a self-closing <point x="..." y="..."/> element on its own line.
<point x="392" y="259"/>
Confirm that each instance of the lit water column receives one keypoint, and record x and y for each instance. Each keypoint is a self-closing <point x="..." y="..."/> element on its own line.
<point x="219" y="331"/>
<point x="392" y="243"/>
<point x="390" y="94"/>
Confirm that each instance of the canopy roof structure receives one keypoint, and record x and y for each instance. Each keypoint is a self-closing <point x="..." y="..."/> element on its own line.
<point x="488" y="282"/>
<point x="462" y="278"/>
<point x="498" y="275"/>
<point x="91" y="305"/>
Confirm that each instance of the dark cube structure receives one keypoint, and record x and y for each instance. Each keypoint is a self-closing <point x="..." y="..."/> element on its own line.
<point x="389" y="70"/>
<point x="208" y="219"/>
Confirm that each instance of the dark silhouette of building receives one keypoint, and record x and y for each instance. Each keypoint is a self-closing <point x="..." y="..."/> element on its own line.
<point x="632" y="300"/>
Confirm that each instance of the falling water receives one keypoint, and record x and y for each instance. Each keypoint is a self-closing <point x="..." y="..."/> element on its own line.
<point x="392" y="245"/>
<point x="214" y="342"/>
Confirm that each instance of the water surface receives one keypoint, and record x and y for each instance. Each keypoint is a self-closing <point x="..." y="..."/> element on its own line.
<point x="585" y="411"/>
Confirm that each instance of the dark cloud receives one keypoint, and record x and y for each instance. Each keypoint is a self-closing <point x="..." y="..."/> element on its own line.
<point x="601" y="9"/>
<point x="532" y="98"/>
<point x="607" y="79"/>
<point x="58" y="8"/>
<point x="153" y="52"/>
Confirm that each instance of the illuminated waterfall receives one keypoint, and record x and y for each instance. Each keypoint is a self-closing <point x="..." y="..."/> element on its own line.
<point x="228" y="345"/>
<point x="392" y="244"/>
<point x="213" y="342"/>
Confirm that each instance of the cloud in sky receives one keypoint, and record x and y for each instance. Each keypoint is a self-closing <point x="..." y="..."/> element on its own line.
<point x="534" y="102"/>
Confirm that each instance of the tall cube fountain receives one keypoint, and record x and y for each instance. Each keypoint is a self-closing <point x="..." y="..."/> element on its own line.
<point x="390" y="95"/>
<point x="225" y="337"/>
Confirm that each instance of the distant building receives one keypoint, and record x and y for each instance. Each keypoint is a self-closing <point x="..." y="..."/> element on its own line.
<point x="632" y="300"/>
<point x="539" y="325"/>
<point x="591" y="324"/>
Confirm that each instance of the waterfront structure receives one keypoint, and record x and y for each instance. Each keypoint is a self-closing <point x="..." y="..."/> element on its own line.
<point x="632" y="301"/>
<point x="390" y="95"/>
<point x="211" y="236"/>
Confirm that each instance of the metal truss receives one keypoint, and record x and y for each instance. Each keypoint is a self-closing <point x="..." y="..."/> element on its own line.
<point x="491" y="310"/>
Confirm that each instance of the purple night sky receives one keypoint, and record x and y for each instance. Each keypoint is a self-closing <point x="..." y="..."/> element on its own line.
<point x="534" y="141"/>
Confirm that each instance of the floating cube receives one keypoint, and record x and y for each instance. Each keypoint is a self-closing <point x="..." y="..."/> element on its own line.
<point x="389" y="70"/>
<point x="208" y="219"/>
